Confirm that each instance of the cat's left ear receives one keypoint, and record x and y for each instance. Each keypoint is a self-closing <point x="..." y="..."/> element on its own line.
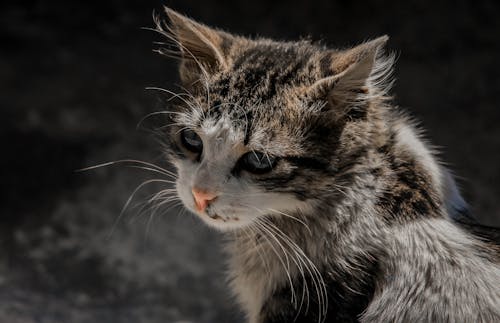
<point x="202" y="49"/>
<point x="350" y="75"/>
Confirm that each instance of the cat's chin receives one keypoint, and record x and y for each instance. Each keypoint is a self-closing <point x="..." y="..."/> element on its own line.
<point x="223" y="223"/>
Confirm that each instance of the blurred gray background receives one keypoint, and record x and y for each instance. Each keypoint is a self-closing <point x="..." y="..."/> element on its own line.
<point x="72" y="79"/>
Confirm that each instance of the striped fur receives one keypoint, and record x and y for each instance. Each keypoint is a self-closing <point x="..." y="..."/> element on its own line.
<point x="354" y="223"/>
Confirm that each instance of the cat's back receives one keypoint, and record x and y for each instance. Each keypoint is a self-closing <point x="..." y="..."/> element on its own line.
<point x="437" y="269"/>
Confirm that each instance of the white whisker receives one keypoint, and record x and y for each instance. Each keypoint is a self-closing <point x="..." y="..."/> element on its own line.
<point x="130" y="161"/>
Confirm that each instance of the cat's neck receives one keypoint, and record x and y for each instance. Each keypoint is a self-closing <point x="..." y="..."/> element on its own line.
<point x="398" y="181"/>
<point x="336" y="240"/>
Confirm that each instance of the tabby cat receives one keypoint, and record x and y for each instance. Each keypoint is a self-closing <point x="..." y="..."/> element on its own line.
<point x="334" y="208"/>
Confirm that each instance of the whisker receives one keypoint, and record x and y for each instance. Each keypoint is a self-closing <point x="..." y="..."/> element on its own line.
<point x="129" y="200"/>
<point x="293" y="218"/>
<point x="157" y="113"/>
<point x="154" y="170"/>
<point x="173" y="96"/>
<point x="287" y="271"/>
<point x="121" y="161"/>
<point x="318" y="281"/>
<point x="299" y="263"/>
<point x="148" y="223"/>
<point x="314" y="273"/>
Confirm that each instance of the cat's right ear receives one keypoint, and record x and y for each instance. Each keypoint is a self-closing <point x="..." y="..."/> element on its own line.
<point x="202" y="50"/>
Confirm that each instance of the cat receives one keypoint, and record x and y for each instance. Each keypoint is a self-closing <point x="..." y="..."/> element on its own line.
<point x="334" y="207"/>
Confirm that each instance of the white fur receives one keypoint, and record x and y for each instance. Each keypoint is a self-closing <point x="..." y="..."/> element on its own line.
<point x="239" y="201"/>
<point x="436" y="271"/>
<point x="409" y="140"/>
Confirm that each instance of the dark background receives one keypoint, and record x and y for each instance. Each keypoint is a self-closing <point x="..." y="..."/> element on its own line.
<point x="72" y="79"/>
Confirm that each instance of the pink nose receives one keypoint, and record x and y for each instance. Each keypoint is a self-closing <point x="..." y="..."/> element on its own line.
<point x="202" y="198"/>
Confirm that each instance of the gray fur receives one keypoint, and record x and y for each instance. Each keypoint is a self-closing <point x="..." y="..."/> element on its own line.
<point x="354" y="222"/>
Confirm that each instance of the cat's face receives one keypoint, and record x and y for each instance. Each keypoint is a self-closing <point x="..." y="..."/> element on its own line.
<point x="246" y="152"/>
<point x="240" y="180"/>
<point x="255" y="135"/>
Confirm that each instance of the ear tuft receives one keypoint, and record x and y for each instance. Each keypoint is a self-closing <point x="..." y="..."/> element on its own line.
<point x="194" y="39"/>
<point x="355" y="75"/>
<point x="202" y="49"/>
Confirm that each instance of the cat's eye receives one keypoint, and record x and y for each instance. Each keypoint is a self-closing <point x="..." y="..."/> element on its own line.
<point x="257" y="162"/>
<point x="191" y="141"/>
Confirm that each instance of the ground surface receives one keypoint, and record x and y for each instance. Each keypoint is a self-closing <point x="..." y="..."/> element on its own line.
<point x="72" y="79"/>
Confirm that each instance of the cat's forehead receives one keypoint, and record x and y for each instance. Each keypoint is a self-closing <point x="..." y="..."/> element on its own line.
<point x="256" y="97"/>
<point x="252" y="129"/>
<point x="260" y="73"/>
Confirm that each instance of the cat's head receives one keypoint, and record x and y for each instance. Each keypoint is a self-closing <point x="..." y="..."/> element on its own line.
<point x="265" y="127"/>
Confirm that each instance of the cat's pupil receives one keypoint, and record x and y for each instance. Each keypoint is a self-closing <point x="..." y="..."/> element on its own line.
<point x="257" y="162"/>
<point x="191" y="141"/>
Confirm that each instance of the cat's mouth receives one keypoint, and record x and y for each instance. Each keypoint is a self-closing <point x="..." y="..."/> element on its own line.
<point x="215" y="216"/>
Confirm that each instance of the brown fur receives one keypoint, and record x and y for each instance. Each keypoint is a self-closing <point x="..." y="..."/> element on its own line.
<point x="359" y="215"/>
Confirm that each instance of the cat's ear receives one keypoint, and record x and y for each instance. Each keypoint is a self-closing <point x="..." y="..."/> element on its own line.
<point x="202" y="49"/>
<point x="350" y="75"/>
